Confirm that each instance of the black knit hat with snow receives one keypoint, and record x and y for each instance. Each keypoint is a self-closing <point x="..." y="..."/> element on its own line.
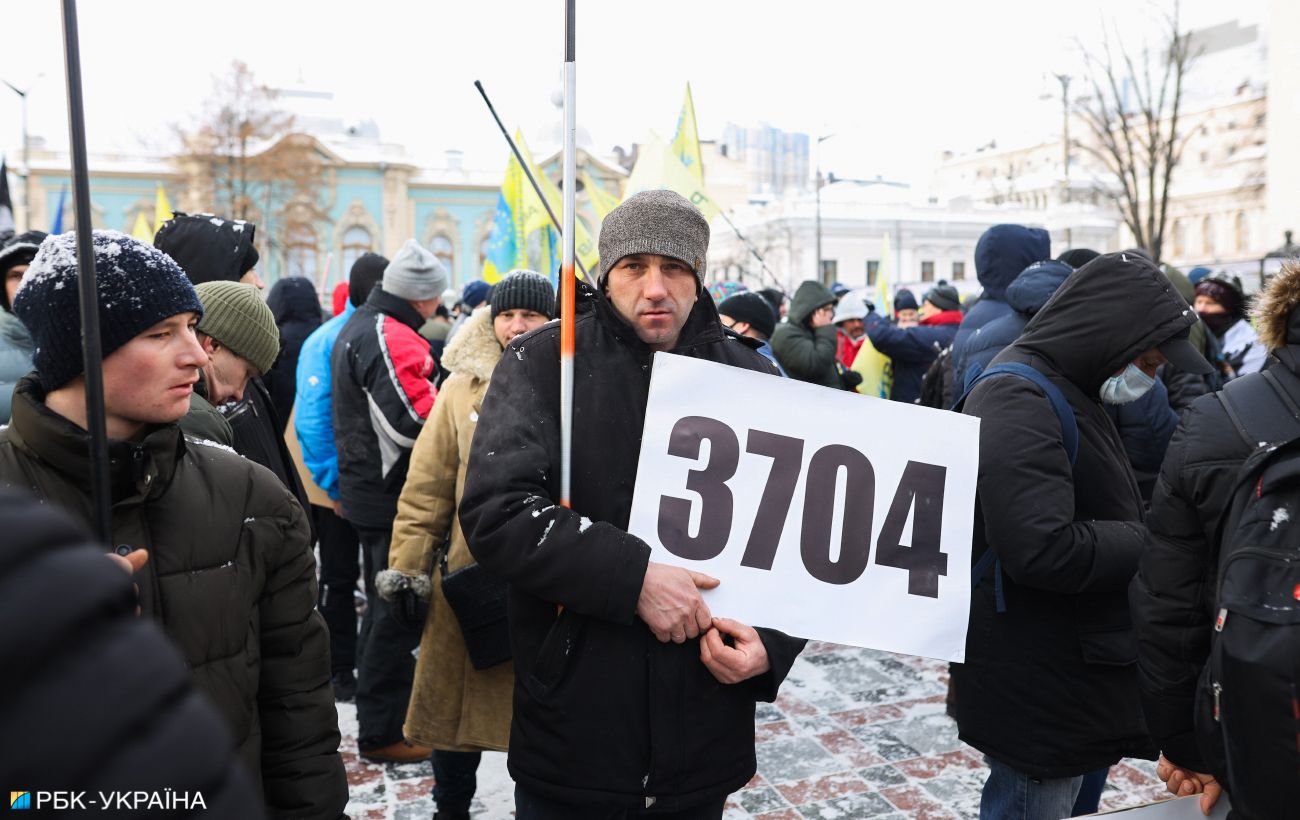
<point x="138" y="285"/>
<point x="208" y="248"/>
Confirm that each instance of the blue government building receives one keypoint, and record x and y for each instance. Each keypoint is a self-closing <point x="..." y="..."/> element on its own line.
<point x="375" y="196"/>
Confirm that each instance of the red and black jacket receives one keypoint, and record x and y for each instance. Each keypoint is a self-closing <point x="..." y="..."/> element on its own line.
<point x="382" y="394"/>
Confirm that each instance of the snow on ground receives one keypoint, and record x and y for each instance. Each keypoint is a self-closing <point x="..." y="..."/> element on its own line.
<point x="855" y="733"/>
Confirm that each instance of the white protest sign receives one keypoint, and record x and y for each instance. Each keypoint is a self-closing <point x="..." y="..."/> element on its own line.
<point x="825" y="514"/>
<point x="1178" y="808"/>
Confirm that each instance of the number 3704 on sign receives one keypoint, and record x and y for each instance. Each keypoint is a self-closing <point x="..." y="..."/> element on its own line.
<point x="824" y="514"/>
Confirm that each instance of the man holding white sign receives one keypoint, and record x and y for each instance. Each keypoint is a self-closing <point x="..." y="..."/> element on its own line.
<point x="629" y="694"/>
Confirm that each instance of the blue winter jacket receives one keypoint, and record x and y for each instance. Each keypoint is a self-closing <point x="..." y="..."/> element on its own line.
<point x="314" y="422"/>
<point x="1000" y="256"/>
<point x="1025" y="296"/>
<point x="912" y="349"/>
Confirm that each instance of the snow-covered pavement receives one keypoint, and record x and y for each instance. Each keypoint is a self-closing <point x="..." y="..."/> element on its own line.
<point x="855" y="733"/>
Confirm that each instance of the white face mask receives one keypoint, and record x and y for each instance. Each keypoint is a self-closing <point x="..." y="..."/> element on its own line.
<point x="1129" y="385"/>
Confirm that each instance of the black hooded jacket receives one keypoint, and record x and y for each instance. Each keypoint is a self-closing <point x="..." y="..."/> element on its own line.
<point x="297" y="312"/>
<point x="603" y="712"/>
<point x="1050" y="685"/>
<point x="1173" y="594"/>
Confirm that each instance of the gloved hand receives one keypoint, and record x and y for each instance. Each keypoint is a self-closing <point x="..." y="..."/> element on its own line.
<point x="408" y="610"/>
<point x="407" y="597"/>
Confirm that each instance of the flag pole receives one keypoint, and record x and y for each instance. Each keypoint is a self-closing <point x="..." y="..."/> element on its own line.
<point x="528" y="172"/>
<point x="752" y="250"/>
<point x="89" y="291"/>
<point x="569" y="234"/>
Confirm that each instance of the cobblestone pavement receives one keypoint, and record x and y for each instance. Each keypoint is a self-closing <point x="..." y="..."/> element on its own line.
<point x="855" y="733"/>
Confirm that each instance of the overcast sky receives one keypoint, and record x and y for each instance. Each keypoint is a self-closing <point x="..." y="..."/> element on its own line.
<point x="895" y="82"/>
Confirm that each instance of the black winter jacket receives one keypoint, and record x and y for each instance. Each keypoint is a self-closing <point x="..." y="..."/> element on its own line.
<point x="1173" y="595"/>
<point x="83" y="666"/>
<point x="380" y="369"/>
<point x="603" y="712"/>
<point x="1050" y="685"/>
<point x="297" y="312"/>
<point x="231" y="579"/>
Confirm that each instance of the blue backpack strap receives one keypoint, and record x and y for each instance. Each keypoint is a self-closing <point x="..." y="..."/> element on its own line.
<point x="1069" y="437"/>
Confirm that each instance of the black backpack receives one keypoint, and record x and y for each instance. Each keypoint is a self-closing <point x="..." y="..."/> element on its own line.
<point x="1248" y="706"/>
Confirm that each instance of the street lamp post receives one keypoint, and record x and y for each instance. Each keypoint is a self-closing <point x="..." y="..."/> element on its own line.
<point x="27" y="167"/>
<point x="821" y="275"/>
<point x="1272" y="261"/>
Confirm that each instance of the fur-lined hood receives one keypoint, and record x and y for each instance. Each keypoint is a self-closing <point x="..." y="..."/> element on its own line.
<point x="1274" y="305"/>
<point x="474" y="351"/>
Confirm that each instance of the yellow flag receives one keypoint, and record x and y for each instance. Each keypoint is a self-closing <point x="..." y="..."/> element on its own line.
<point x="658" y="168"/>
<point x="686" y="142"/>
<point x="141" y="229"/>
<point x="584" y="248"/>
<point x="884" y="298"/>
<point x="601" y="201"/>
<point x="162" y="209"/>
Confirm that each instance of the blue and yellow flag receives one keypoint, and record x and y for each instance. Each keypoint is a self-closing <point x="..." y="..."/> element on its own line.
<point x="523" y="235"/>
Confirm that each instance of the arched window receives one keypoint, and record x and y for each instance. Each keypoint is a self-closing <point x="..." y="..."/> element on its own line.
<point x="1241" y="230"/>
<point x="301" y="252"/>
<point x="1207" y="236"/>
<point x="356" y="241"/>
<point x="444" y="250"/>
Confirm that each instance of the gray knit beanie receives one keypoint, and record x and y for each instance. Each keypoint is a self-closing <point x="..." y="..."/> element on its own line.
<point x="523" y="290"/>
<point x="415" y="274"/>
<point x="235" y="315"/>
<point x="661" y="222"/>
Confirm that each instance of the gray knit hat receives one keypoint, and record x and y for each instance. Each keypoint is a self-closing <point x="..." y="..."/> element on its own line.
<point x="235" y="315"/>
<point x="523" y="290"/>
<point x="661" y="222"/>
<point x="415" y="274"/>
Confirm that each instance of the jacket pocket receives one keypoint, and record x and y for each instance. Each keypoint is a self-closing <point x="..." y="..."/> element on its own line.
<point x="556" y="657"/>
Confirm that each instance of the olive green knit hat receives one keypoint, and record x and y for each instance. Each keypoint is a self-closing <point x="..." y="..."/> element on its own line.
<point x="235" y="315"/>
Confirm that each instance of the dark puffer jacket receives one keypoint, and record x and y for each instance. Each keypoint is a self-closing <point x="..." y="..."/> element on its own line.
<point x="80" y="649"/>
<point x="297" y="312"/>
<point x="603" y="712"/>
<point x="1026" y="296"/>
<point x="1050" y="685"/>
<point x="1173" y="594"/>
<point x="1000" y="255"/>
<point x="231" y="579"/>
<point x="806" y="354"/>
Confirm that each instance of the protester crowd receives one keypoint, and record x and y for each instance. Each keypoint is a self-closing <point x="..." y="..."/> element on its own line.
<point x="273" y="464"/>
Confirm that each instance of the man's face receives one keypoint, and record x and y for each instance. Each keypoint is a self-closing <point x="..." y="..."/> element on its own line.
<point x="250" y="277"/>
<point x="427" y="307"/>
<point x="149" y="379"/>
<point x="853" y="327"/>
<point x="654" y="294"/>
<point x="1203" y="304"/>
<point x="226" y="374"/>
<point x="743" y="328"/>
<point x="13" y="277"/>
<point x="907" y="317"/>
<point x="511" y="323"/>
<point x="927" y="310"/>
<point x="1149" y="361"/>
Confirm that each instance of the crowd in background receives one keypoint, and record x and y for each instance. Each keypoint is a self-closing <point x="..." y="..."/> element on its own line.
<point x="277" y="468"/>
